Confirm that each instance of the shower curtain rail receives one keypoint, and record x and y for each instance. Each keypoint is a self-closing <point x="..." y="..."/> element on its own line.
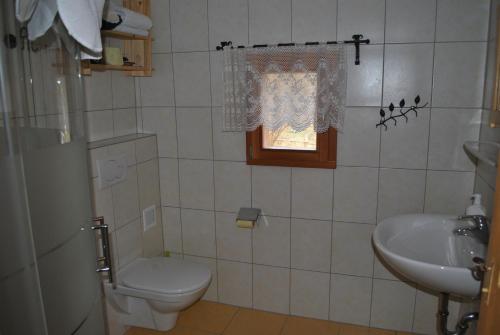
<point x="356" y="40"/>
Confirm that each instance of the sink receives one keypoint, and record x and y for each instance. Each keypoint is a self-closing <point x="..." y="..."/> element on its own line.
<point x="424" y="249"/>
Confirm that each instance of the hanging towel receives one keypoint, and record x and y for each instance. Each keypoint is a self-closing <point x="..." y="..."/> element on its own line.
<point x="24" y="9"/>
<point x="130" y="18"/>
<point x="82" y="19"/>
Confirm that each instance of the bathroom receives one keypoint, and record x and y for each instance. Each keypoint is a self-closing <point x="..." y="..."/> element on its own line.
<point x="152" y="158"/>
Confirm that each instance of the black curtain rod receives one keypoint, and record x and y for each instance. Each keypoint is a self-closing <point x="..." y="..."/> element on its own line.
<point x="356" y="40"/>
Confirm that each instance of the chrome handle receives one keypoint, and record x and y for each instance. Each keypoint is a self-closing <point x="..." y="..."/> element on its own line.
<point x="106" y="249"/>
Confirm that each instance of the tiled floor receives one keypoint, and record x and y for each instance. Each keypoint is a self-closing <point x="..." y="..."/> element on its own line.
<point x="209" y="318"/>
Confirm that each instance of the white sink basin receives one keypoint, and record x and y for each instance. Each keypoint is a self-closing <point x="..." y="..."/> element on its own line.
<point x="424" y="249"/>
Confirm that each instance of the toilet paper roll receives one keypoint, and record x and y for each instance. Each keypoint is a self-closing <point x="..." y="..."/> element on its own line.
<point x="245" y="223"/>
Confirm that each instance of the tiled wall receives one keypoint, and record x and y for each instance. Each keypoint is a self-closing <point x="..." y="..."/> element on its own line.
<point x="122" y="204"/>
<point x="110" y="105"/>
<point x="311" y="254"/>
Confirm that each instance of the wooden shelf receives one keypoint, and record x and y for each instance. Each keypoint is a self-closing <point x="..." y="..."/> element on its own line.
<point x="136" y="48"/>
<point x="104" y="67"/>
<point x="122" y="35"/>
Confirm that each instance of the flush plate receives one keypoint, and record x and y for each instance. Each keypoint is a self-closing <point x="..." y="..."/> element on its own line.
<point x="111" y="170"/>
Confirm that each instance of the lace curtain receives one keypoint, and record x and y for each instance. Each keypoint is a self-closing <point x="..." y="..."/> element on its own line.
<point x="296" y="86"/>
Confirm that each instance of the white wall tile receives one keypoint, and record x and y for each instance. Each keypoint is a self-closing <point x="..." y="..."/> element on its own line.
<point x="352" y="251"/>
<point x="355" y="194"/>
<point x="152" y="239"/>
<point x="270" y="21"/>
<point x="98" y="91"/>
<point x="448" y="192"/>
<point x="161" y="121"/>
<point x="126" y="198"/>
<point x="400" y="192"/>
<point x="160" y="14"/>
<point x="271" y="190"/>
<point x="271" y="289"/>
<point x="217" y="77"/>
<point x="232" y="186"/>
<point x="102" y="204"/>
<point x="350" y="299"/>
<point x="228" y="21"/>
<point x="149" y="184"/>
<point x="271" y="241"/>
<point x="124" y="122"/>
<point x="462" y="20"/>
<point x="189" y="25"/>
<point x="172" y="230"/>
<point x="408" y="73"/>
<point x="169" y="182"/>
<point x="459" y="74"/>
<point x="129" y="150"/>
<point x="450" y="128"/>
<point x="405" y="145"/>
<point x="198" y="232"/>
<point x="312" y="193"/>
<point x="410" y="21"/>
<point x="364" y="81"/>
<point x="235" y="283"/>
<point x="392" y="305"/>
<point x="361" y="17"/>
<point x="192" y="79"/>
<point x="158" y="90"/>
<point x="99" y="125"/>
<point x="211" y="293"/>
<point x="307" y="294"/>
<point x="194" y="126"/>
<point x="123" y="90"/>
<point x="129" y="243"/>
<point x="314" y="20"/>
<point x="359" y="142"/>
<point x="196" y="184"/>
<point x="227" y="145"/>
<point x="233" y="243"/>
<point x="311" y="245"/>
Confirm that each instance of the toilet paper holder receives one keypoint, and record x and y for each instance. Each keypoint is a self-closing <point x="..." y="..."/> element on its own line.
<point x="247" y="217"/>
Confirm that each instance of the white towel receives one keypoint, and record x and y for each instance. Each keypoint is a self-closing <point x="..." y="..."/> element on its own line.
<point x="82" y="19"/>
<point x="24" y="9"/>
<point x="130" y="30"/>
<point x="130" y="18"/>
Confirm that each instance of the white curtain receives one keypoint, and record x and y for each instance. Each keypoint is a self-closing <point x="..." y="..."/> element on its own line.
<point x="296" y="86"/>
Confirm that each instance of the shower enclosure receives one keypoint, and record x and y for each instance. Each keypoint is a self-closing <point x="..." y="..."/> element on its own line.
<point x="48" y="279"/>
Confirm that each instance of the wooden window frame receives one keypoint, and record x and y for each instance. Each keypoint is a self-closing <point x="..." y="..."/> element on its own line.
<point x="325" y="155"/>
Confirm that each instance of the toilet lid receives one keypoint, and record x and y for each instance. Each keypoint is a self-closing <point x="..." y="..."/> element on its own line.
<point x="165" y="275"/>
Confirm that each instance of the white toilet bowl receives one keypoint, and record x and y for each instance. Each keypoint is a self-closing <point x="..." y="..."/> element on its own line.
<point x="150" y="292"/>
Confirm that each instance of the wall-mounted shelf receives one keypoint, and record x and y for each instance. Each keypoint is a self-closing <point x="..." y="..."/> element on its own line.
<point x="136" y="48"/>
<point x="486" y="152"/>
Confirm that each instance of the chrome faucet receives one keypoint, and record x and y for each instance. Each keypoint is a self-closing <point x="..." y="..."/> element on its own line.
<point x="479" y="229"/>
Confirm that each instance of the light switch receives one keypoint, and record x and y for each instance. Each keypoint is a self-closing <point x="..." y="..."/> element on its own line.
<point x="111" y="170"/>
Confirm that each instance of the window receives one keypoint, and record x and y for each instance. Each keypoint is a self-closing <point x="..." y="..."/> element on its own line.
<point x="289" y="149"/>
<point x="289" y="100"/>
<point x="285" y="146"/>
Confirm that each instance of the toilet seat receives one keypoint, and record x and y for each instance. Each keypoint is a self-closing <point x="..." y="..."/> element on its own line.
<point x="165" y="275"/>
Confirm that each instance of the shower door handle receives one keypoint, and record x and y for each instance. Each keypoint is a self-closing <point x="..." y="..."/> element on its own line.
<point x="106" y="248"/>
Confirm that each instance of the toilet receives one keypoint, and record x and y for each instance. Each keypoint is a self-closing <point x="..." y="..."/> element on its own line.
<point x="150" y="292"/>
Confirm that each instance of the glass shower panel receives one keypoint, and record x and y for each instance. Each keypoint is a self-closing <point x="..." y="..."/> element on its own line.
<point x="48" y="279"/>
<point x="21" y="307"/>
